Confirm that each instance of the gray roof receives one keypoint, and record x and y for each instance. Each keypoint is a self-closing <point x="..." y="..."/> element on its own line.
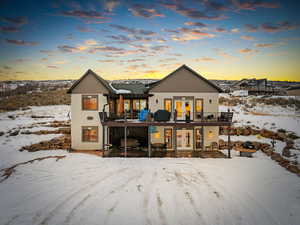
<point x="138" y="88"/>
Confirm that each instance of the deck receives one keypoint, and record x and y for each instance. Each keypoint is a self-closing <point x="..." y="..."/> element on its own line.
<point x="164" y="153"/>
<point x="137" y="123"/>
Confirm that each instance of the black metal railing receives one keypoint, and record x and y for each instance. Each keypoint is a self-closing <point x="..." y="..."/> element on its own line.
<point x="198" y="117"/>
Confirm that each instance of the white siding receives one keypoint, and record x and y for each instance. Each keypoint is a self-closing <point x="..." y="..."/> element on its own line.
<point x="79" y="119"/>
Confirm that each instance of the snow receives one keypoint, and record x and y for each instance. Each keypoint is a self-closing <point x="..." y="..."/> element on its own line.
<point x="10" y="145"/>
<point x="119" y="91"/>
<point x="86" y="189"/>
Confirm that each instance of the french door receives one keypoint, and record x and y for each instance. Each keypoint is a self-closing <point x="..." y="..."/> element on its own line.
<point x="184" y="107"/>
<point x="184" y="139"/>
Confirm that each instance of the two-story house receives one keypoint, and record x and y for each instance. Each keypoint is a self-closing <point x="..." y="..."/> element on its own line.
<point x="190" y="99"/>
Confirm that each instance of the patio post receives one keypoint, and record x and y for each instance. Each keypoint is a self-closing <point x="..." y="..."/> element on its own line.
<point x="149" y="142"/>
<point x="125" y="141"/>
<point x="175" y="140"/>
<point x="229" y="143"/>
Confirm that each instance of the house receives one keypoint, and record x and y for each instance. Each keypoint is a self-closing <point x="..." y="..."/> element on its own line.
<point x="253" y="86"/>
<point x="293" y="91"/>
<point x="106" y="114"/>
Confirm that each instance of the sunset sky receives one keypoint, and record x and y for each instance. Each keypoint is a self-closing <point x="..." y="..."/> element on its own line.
<point x="220" y="39"/>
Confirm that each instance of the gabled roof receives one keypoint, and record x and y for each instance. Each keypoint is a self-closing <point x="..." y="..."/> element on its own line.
<point x="90" y="72"/>
<point x="152" y="85"/>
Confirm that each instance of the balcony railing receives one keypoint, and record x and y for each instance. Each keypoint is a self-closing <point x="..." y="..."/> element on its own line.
<point x="198" y="117"/>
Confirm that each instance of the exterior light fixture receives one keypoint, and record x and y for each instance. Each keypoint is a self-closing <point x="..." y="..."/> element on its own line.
<point x="210" y="134"/>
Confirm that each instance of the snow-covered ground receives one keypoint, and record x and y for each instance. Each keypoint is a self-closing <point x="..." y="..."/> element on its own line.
<point x="85" y="189"/>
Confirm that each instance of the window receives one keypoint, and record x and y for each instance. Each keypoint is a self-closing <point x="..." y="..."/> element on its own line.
<point x="90" y="134"/>
<point x="89" y="102"/>
<point x="199" y="137"/>
<point x="199" y="108"/>
<point x="168" y="105"/>
<point x="127" y="105"/>
<point x="168" y="138"/>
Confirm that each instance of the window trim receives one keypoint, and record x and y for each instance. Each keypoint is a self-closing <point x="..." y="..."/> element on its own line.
<point x="168" y="99"/>
<point x="165" y="129"/>
<point x="86" y="127"/>
<point x="82" y="103"/>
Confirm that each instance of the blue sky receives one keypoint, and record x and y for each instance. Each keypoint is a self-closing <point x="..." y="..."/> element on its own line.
<point x="220" y="39"/>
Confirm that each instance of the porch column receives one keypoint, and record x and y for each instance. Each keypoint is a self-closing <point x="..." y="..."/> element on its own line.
<point x="125" y="141"/>
<point x="229" y="143"/>
<point x="175" y="140"/>
<point x="103" y="138"/>
<point x="149" y="142"/>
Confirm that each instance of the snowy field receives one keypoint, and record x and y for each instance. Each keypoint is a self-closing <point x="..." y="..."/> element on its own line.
<point x="85" y="189"/>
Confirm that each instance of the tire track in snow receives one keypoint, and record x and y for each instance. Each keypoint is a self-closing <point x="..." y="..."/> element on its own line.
<point x="83" y="201"/>
<point x="147" y="196"/>
<point x="74" y="209"/>
<point x="180" y="181"/>
<point x="70" y="197"/>
<point x="161" y="214"/>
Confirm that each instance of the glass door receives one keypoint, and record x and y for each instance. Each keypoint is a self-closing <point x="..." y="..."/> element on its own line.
<point x="184" y="139"/>
<point x="184" y="109"/>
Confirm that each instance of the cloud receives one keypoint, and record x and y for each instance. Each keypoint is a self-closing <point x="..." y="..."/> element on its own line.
<point x="120" y="38"/>
<point x="254" y="4"/>
<point x="9" y="29"/>
<point x="84" y="29"/>
<point x="91" y="42"/>
<point x="220" y="30"/>
<point x="106" y="60"/>
<point x="144" y="11"/>
<point x="281" y="26"/>
<point x="235" y="30"/>
<point x="133" y="60"/>
<point x="109" y="5"/>
<point x="52" y="67"/>
<point x="223" y="54"/>
<point x="18" y="21"/>
<point x="246" y="37"/>
<point x="106" y="49"/>
<point x="68" y="49"/>
<point x="159" y="47"/>
<point x="251" y="28"/>
<point x="21" y="42"/>
<point x="187" y="34"/>
<point x="196" y="24"/>
<point x="213" y="5"/>
<point x="134" y="67"/>
<point x="207" y="59"/>
<point x="60" y="62"/>
<point x="191" y="12"/>
<point x="161" y="40"/>
<point x="266" y="45"/>
<point x="132" y="30"/>
<point x="175" y="54"/>
<point x="168" y="60"/>
<point x="171" y="31"/>
<point x="247" y="50"/>
<point x="84" y="14"/>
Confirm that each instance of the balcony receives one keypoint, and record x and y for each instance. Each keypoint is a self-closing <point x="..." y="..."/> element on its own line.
<point x="200" y="119"/>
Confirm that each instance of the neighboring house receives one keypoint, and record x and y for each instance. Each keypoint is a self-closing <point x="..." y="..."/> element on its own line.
<point x="254" y="86"/>
<point x="293" y="91"/>
<point x="191" y="100"/>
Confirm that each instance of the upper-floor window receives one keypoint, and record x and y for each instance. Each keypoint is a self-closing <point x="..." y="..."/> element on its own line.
<point x="89" y="102"/>
<point x="168" y="104"/>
